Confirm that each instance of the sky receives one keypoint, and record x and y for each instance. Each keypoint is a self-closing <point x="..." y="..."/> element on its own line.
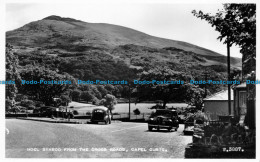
<point x="166" y="20"/>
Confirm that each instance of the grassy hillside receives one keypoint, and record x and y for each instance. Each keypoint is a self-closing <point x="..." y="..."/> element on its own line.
<point x="105" y="51"/>
<point x="54" y="29"/>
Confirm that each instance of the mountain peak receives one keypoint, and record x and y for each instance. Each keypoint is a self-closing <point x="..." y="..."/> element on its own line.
<point x="58" y="18"/>
<point x="58" y="32"/>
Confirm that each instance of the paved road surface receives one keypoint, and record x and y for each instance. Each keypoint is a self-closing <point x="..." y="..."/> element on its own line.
<point x="21" y="135"/>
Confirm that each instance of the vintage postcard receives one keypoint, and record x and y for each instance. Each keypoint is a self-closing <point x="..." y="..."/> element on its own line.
<point x="130" y="79"/>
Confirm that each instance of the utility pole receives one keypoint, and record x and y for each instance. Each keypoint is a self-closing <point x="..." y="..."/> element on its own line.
<point x="228" y="70"/>
<point x="129" y="102"/>
<point x="129" y="97"/>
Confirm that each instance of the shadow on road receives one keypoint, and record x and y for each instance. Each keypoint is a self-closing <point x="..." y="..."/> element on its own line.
<point x="161" y="131"/>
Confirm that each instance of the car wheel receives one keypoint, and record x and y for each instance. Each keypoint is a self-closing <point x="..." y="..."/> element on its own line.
<point x="169" y="129"/>
<point x="150" y="128"/>
<point x="106" y="122"/>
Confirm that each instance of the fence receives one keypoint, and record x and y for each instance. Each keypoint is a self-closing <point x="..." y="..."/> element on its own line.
<point x="20" y="115"/>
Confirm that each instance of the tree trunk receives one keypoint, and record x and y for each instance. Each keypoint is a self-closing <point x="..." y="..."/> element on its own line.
<point x="111" y="114"/>
<point x="164" y="103"/>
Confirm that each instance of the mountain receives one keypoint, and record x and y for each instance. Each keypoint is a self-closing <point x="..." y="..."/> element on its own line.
<point x="109" y="46"/>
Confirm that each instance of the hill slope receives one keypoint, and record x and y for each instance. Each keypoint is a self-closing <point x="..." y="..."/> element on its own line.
<point x="97" y="34"/>
<point x="88" y="45"/>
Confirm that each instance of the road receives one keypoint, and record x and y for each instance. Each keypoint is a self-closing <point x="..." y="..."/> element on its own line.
<point x="32" y="139"/>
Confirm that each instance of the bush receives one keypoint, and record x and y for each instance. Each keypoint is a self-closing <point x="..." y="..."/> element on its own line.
<point x="137" y="111"/>
<point x="27" y="103"/>
<point x="39" y="104"/>
<point x="20" y="97"/>
<point x="95" y="101"/>
<point x="87" y="96"/>
<point x="31" y="107"/>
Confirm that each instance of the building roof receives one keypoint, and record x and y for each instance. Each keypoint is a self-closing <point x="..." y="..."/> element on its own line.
<point x="221" y="95"/>
<point x="242" y="85"/>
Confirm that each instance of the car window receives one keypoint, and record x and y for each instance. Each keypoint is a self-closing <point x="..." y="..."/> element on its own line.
<point x="164" y="113"/>
<point x="99" y="111"/>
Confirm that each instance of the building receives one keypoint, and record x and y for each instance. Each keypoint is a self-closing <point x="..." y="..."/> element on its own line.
<point x="244" y="105"/>
<point x="240" y="96"/>
<point x="217" y="105"/>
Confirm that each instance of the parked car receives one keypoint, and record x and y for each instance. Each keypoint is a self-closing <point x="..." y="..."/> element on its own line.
<point x="163" y="119"/>
<point x="101" y="114"/>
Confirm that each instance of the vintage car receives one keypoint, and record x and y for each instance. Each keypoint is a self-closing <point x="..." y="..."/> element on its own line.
<point x="163" y="119"/>
<point x="101" y="114"/>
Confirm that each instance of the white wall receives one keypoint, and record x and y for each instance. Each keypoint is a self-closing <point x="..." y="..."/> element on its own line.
<point x="215" y="108"/>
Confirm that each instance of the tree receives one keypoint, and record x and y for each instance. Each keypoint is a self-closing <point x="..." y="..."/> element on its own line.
<point x="109" y="102"/>
<point x="102" y="90"/>
<point x="12" y="74"/>
<point x="27" y="103"/>
<point x="110" y="88"/>
<point x="119" y="90"/>
<point x="95" y="101"/>
<point x="161" y="91"/>
<point x="85" y="87"/>
<point x="65" y="99"/>
<point x="194" y="95"/>
<point x="75" y="94"/>
<point x="96" y="92"/>
<point x="47" y="90"/>
<point x="20" y="97"/>
<point x="136" y="111"/>
<point x="87" y="96"/>
<point x="237" y="25"/>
